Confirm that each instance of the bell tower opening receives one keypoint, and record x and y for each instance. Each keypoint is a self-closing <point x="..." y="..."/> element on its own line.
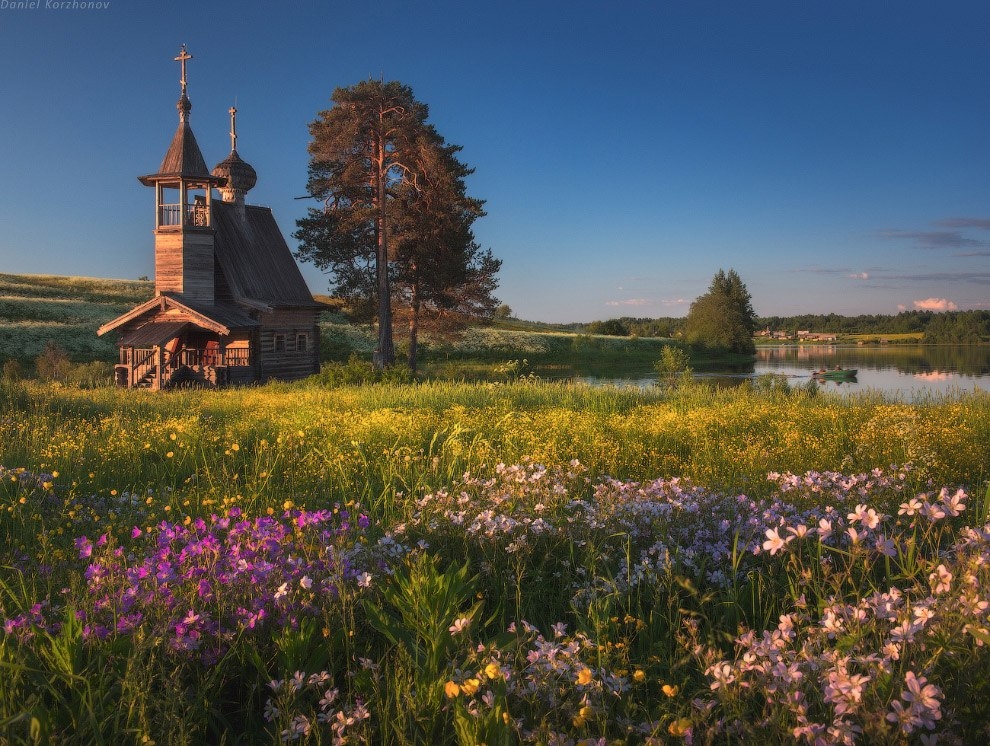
<point x="184" y="236"/>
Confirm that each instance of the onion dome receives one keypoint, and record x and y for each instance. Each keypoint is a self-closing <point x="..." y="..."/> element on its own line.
<point x="238" y="175"/>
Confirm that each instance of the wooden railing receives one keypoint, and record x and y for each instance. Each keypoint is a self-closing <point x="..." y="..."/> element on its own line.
<point x="196" y="215"/>
<point x="139" y="362"/>
<point x="203" y="358"/>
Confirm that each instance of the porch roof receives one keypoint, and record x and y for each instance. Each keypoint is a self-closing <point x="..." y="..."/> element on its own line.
<point x="153" y="333"/>
<point x="220" y="318"/>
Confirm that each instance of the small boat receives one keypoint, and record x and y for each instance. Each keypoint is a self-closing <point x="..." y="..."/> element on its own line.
<point x="835" y="374"/>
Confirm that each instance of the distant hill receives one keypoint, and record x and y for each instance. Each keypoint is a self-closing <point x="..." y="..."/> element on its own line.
<point x="36" y="309"/>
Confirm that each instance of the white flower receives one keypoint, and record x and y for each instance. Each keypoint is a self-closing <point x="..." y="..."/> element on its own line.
<point x="283" y="590"/>
<point x="306" y="582"/>
<point x="460" y="624"/>
<point x="364" y="580"/>
<point x="775" y="542"/>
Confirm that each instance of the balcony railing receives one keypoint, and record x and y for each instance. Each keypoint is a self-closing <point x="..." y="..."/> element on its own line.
<point x="196" y="215"/>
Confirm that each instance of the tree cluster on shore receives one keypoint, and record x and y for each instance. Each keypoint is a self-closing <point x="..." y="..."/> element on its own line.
<point x="946" y="327"/>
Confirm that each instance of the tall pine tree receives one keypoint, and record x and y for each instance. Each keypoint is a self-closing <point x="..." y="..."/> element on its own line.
<point x="396" y="221"/>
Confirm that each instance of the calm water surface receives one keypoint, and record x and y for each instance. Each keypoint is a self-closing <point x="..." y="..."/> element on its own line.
<point x="901" y="370"/>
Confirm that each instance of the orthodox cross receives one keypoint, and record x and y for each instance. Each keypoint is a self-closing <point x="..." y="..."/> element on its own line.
<point x="233" y="128"/>
<point x="181" y="59"/>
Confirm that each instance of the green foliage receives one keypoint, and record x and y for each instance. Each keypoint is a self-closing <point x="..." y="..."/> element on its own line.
<point x="723" y="318"/>
<point x="611" y="328"/>
<point x="963" y="327"/>
<point x="53" y="363"/>
<point x="425" y="609"/>
<point x="357" y="371"/>
<point x="673" y="361"/>
<point x="396" y="221"/>
<point x="12" y="371"/>
<point x="514" y="370"/>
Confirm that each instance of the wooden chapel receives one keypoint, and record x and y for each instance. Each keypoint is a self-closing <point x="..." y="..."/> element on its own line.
<point x="230" y="305"/>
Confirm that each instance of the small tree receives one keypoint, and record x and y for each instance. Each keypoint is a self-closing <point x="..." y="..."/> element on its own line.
<point x="12" y="371"/>
<point x="674" y="364"/>
<point x="503" y="312"/>
<point x="53" y="363"/>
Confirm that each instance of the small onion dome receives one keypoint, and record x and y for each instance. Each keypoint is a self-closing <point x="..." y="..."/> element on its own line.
<point x="240" y="176"/>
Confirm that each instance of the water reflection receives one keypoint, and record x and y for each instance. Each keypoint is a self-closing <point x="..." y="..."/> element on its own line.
<point x="902" y="370"/>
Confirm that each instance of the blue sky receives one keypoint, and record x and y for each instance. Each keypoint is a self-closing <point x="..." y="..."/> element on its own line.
<point x="835" y="154"/>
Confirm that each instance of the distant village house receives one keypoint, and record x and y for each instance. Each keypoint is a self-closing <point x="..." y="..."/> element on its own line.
<point x="230" y="304"/>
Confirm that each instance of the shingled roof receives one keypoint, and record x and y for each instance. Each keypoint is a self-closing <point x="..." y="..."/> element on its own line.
<point x="221" y="318"/>
<point x="254" y="258"/>
<point x="183" y="159"/>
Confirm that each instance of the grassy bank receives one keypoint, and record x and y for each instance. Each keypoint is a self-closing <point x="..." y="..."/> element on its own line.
<point x="393" y="564"/>
<point x="37" y="309"/>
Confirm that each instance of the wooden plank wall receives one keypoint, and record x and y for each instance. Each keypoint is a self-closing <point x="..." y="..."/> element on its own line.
<point x="289" y="364"/>
<point x="184" y="264"/>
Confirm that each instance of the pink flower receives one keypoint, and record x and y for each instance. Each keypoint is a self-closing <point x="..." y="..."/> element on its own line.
<point x="941" y="580"/>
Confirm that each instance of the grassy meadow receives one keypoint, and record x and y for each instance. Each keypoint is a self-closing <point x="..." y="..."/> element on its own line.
<point x="481" y="556"/>
<point x="518" y="562"/>
<point x="37" y="309"/>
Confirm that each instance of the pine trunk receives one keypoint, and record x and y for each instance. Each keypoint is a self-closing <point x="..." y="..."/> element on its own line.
<point x="414" y="330"/>
<point x="385" y="356"/>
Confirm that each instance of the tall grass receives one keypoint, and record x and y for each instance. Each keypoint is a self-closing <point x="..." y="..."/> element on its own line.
<point x="410" y="553"/>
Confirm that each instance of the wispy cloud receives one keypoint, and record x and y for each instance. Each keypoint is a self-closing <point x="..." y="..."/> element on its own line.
<point x="955" y="238"/>
<point x="846" y="272"/>
<point x="983" y="223"/>
<point x="630" y="302"/>
<point x="935" y="304"/>
<point x="934" y="239"/>
<point x="941" y="277"/>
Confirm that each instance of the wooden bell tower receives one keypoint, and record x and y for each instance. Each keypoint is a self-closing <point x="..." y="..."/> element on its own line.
<point x="184" y="231"/>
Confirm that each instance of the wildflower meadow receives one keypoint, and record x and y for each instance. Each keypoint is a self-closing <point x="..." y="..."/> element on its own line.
<point x="519" y="562"/>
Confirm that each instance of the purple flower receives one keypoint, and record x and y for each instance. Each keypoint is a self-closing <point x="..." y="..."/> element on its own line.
<point x="84" y="546"/>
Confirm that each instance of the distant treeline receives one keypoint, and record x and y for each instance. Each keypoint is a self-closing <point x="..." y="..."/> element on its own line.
<point x="960" y="327"/>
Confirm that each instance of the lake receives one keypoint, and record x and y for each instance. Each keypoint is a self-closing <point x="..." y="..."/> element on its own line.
<point x="901" y="370"/>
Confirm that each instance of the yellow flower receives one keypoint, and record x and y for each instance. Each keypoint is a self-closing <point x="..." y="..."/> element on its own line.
<point x="470" y="686"/>
<point x="578" y="721"/>
<point x="670" y="690"/>
<point x="492" y="671"/>
<point x="679" y="727"/>
<point x="235" y="447"/>
<point x="639" y="676"/>
<point x="451" y="689"/>
<point x="584" y="677"/>
<point x="287" y="505"/>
